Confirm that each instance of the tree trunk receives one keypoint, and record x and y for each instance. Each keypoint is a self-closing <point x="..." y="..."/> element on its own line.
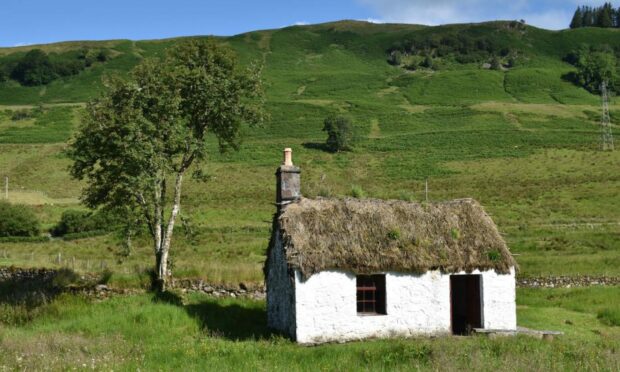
<point x="161" y="271"/>
<point x="161" y="256"/>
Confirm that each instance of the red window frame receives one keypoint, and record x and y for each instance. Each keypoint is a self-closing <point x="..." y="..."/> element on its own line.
<point x="370" y="294"/>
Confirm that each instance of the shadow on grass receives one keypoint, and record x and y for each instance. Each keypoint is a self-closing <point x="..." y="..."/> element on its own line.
<point x="316" y="146"/>
<point x="168" y="297"/>
<point x="35" y="287"/>
<point x="231" y="320"/>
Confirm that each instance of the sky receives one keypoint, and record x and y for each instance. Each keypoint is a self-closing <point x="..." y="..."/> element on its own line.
<point x="25" y="22"/>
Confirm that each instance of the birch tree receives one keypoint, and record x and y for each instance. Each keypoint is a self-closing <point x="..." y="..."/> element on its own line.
<point x="139" y="139"/>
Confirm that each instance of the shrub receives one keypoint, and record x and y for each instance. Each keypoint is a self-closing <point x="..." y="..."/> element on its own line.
<point x="17" y="220"/>
<point x="21" y="115"/>
<point x="339" y="133"/>
<point x="428" y="62"/>
<point x="393" y="234"/>
<point x="357" y="192"/>
<point x="496" y="63"/>
<point x="78" y="223"/>
<point x="455" y="233"/>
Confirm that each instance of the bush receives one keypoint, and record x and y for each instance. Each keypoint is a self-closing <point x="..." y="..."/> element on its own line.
<point x="357" y="192"/>
<point x="339" y="133"/>
<point x="21" y="115"/>
<point x="496" y="63"/>
<point x="81" y="224"/>
<point x="24" y="239"/>
<point x="428" y="62"/>
<point x="594" y="66"/>
<point x="34" y="68"/>
<point x="17" y="220"/>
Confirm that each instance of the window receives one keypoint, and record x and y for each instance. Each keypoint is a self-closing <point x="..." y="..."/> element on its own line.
<point x="371" y="294"/>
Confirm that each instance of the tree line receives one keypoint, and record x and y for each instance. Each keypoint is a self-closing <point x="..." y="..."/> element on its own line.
<point x="603" y="16"/>
<point x="39" y="68"/>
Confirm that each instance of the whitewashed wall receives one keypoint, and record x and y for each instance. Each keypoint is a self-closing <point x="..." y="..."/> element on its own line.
<point x="280" y="291"/>
<point x="325" y="308"/>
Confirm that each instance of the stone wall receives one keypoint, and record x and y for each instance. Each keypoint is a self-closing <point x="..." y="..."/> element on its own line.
<point x="566" y="281"/>
<point x="257" y="291"/>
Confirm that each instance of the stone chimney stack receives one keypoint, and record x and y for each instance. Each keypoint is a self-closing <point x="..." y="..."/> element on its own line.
<point x="288" y="186"/>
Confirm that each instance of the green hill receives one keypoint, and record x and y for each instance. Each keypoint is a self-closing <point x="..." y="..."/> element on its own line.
<point x="522" y="140"/>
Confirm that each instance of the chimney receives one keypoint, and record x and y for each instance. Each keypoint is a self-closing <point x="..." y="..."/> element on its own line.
<point x="288" y="187"/>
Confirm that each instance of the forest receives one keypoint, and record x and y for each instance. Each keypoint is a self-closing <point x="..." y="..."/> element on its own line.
<point x="603" y="16"/>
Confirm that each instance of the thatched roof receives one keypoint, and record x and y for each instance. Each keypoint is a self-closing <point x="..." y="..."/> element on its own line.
<point x="366" y="236"/>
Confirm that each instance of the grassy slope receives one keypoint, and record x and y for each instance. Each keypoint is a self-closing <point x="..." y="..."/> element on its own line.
<point x="523" y="142"/>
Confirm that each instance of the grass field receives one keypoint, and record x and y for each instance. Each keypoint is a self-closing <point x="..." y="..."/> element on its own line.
<point x="142" y="332"/>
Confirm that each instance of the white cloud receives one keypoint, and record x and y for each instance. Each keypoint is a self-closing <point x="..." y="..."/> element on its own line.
<point x="21" y="44"/>
<point x="300" y="23"/>
<point x="551" y="14"/>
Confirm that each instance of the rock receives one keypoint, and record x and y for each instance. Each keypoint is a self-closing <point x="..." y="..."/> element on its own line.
<point x="101" y="287"/>
<point x="243" y="286"/>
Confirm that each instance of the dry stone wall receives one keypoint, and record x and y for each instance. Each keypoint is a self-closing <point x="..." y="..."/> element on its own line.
<point x="257" y="291"/>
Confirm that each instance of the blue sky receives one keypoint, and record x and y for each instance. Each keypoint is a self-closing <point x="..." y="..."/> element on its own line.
<point x="42" y="21"/>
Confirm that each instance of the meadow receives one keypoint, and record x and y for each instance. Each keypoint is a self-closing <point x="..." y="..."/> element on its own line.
<point x="196" y="332"/>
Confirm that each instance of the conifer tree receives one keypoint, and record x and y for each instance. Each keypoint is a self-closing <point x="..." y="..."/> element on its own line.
<point x="604" y="16"/>
<point x="577" y="19"/>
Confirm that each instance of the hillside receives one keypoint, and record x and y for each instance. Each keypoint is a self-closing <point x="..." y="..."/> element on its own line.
<point x="521" y="140"/>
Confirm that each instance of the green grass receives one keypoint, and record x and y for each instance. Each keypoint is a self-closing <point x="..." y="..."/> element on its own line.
<point x="142" y="332"/>
<point x="53" y="124"/>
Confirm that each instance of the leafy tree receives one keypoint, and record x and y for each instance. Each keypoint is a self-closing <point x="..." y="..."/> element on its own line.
<point x="34" y="68"/>
<point x="594" y="67"/>
<point x="17" y="220"/>
<point x="339" y="133"/>
<point x="139" y="139"/>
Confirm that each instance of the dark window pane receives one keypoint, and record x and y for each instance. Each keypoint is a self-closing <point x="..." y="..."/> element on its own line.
<point x="371" y="294"/>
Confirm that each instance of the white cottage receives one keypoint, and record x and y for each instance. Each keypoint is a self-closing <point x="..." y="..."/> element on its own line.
<point x="348" y="269"/>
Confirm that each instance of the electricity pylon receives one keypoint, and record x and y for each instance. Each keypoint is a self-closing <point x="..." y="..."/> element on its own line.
<point x="607" y="139"/>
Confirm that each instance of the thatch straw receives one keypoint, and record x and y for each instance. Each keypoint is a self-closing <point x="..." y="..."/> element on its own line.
<point x="368" y="236"/>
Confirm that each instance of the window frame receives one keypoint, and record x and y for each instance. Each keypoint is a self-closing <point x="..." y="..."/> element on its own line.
<point x="370" y="295"/>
